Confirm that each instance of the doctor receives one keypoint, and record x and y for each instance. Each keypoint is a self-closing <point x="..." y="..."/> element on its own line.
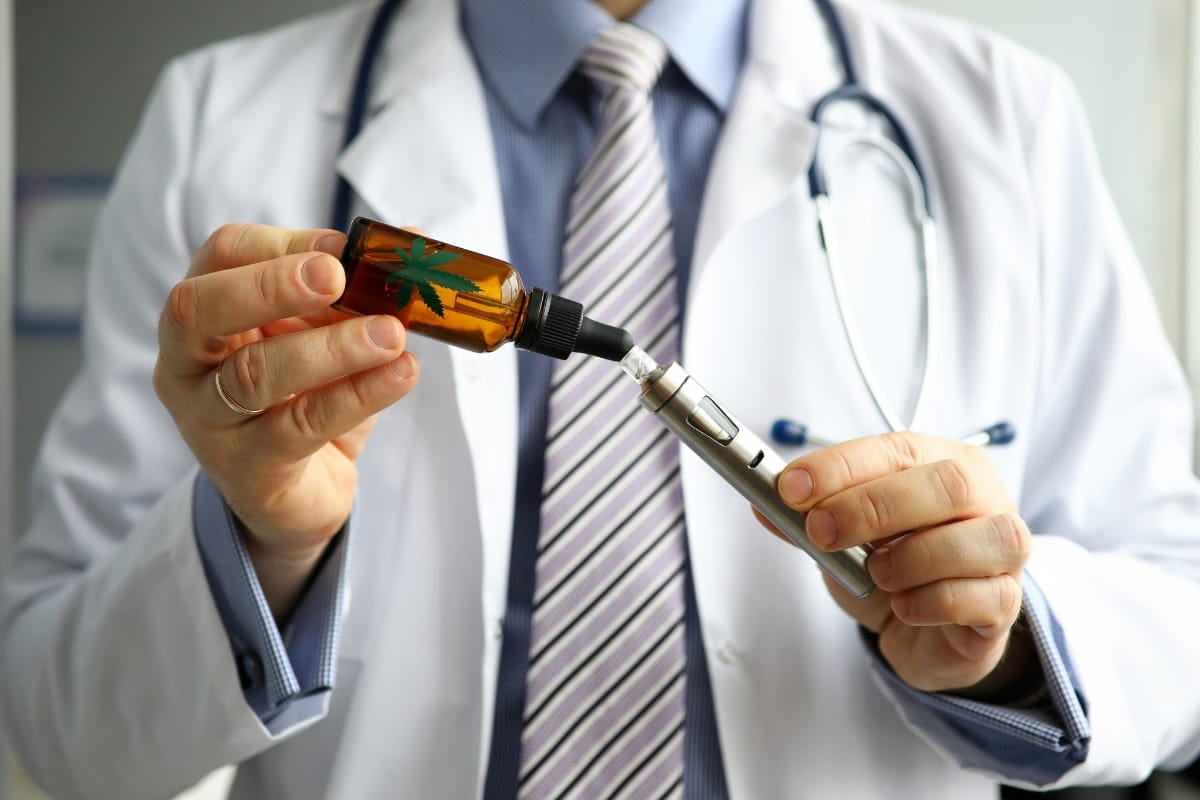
<point x="325" y="592"/>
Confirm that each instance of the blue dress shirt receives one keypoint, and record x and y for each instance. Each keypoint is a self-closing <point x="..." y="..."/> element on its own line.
<point x="543" y="119"/>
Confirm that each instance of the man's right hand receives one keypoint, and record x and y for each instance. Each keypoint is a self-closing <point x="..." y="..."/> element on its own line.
<point x="253" y="315"/>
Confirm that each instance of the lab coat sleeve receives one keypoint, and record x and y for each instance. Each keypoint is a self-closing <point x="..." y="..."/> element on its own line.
<point x="1109" y="491"/>
<point x="1110" y="495"/>
<point x="117" y="677"/>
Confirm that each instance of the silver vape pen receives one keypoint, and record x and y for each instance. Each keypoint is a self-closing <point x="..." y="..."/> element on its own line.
<point x="745" y="461"/>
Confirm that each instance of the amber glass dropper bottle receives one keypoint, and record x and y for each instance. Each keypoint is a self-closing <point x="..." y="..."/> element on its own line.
<point x="464" y="298"/>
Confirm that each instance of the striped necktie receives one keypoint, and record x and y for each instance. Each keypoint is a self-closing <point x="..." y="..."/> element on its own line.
<point x="604" y="702"/>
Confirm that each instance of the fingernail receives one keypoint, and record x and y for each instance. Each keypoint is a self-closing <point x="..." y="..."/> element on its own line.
<point x="880" y="565"/>
<point x="402" y="368"/>
<point x="796" y="486"/>
<point x="333" y="244"/>
<point x="822" y="528"/>
<point x="318" y="275"/>
<point x="384" y="332"/>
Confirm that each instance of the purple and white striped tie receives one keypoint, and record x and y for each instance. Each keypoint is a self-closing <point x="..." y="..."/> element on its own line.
<point x="604" y="703"/>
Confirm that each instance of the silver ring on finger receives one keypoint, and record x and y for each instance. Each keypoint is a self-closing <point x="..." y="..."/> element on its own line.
<point x="230" y="403"/>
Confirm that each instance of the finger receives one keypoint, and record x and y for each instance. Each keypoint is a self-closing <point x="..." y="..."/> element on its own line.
<point x="202" y="311"/>
<point x="987" y="605"/>
<point x="825" y="472"/>
<point x="872" y="612"/>
<point x="923" y="496"/>
<point x="976" y="548"/>
<point x="304" y="424"/>
<point x="269" y="371"/>
<point x="238" y="244"/>
<point x="937" y="660"/>
<point x="770" y="526"/>
<point x="305" y="322"/>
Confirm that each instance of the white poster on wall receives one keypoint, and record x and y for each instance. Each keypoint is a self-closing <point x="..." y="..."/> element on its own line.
<point x="55" y="221"/>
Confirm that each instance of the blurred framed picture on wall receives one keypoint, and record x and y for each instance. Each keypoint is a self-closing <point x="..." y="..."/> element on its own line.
<point x="55" y="219"/>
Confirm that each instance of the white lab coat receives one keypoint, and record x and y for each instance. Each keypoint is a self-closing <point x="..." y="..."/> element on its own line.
<point x="118" y="681"/>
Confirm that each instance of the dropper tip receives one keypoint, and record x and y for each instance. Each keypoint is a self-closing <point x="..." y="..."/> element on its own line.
<point x="605" y="341"/>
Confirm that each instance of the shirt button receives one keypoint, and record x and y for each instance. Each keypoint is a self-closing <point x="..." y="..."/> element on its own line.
<point x="249" y="669"/>
<point x="497" y="629"/>
<point x="726" y="654"/>
<point x="471" y="373"/>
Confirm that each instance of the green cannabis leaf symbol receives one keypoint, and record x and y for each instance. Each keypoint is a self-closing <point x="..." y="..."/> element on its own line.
<point x="420" y="273"/>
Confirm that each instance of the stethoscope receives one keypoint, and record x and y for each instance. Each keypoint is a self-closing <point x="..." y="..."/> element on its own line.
<point x="903" y="156"/>
<point x="901" y="153"/>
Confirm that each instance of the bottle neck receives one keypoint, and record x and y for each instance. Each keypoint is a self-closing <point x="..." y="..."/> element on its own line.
<point x="551" y="324"/>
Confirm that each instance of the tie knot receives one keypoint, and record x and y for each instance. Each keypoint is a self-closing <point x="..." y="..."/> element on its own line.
<point x="624" y="56"/>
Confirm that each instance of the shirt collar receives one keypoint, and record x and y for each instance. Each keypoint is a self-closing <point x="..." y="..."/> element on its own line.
<point x="528" y="48"/>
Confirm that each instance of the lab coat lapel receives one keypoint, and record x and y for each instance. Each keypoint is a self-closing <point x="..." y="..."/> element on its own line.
<point x="761" y="161"/>
<point x="762" y="157"/>
<point x="768" y="140"/>
<point x="425" y="157"/>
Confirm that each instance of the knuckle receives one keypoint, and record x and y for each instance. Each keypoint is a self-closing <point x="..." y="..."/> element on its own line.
<point x="942" y="602"/>
<point x="875" y="509"/>
<point x="915" y="555"/>
<point x="226" y="240"/>
<point x="842" y="466"/>
<point x="358" y="394"/>
<point x="304" y="241"/>
<point x="341" y="346"/>
<point x="1010" y="598"/>
<point x="946" y="600"/>
<point x="1012" y="536"/>
<point x="265" y="288"/>
<point x="954" y="482"/>
<point x="904" y="449"/>
<point x="306" y="415"/>
<point x="182" y="309"/>
<point x="251" y="372"/>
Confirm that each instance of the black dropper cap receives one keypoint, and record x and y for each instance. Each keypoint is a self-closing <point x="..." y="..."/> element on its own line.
<point x="555" y="326"/>
<point x="605" y="341"/>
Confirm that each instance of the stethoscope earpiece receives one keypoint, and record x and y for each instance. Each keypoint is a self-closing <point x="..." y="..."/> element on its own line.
<point x="1001" y="433"/>
<point x="789" y="432"/>
<point x="795" y="434"/>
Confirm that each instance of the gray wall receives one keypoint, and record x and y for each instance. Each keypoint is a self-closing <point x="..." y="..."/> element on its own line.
<point x="6" y="382"/>
<point x="6" y="154"/>
<point x="83" y="72"/>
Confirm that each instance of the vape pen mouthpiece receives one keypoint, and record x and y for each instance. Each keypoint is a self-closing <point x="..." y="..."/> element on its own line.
<point x="638" y="365"/>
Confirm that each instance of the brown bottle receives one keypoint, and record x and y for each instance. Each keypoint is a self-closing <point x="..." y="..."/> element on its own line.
<point x="462" y="297"/>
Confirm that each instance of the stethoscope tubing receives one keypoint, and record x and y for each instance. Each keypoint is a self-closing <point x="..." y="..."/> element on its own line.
<point x="903" y="155"/>
<point x="356" y="112"/>
<point x="850" y="90"/>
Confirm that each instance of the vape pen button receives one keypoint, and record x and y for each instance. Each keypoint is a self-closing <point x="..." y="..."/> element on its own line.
<point x="708" y="418"/>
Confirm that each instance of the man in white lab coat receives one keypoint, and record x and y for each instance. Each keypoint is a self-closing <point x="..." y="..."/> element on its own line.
<point x="321" y="592"/>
